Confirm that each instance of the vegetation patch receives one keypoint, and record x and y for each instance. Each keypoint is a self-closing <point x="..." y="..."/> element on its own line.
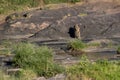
<point x="38" y="59"/>
<point x="3" y="76"/>
<point x="26" y="74"/>
<point x="9" y="6"/>
<point x="99" y="70"/>
<point x="22" y="75"/>
<point x="76" y="45"/>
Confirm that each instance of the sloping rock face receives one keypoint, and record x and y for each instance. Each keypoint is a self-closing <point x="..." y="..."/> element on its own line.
<point x="92" y="27"/>
<point x="96" y="20"/>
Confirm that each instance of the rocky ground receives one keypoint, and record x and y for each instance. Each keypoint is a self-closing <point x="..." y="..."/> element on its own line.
<point x="98" y="21"/>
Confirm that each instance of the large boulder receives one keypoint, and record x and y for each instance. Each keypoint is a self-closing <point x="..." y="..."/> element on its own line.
<point x="96" y="20"/>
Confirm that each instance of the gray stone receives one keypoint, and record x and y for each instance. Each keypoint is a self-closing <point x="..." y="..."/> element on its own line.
<point x="40" y="78"/>
<point x="98" y="20"/>
<point x="58" y="77"/>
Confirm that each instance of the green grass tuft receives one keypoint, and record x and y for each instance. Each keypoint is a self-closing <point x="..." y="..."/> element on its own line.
<point x="77" y="45"/>
<point x="38" y="59"/>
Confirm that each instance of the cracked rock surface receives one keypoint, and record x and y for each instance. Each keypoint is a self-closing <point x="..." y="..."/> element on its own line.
<point x="96" y="20"/>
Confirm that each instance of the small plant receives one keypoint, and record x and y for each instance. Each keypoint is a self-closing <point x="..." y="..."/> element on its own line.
<point x="76" y="45"/>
